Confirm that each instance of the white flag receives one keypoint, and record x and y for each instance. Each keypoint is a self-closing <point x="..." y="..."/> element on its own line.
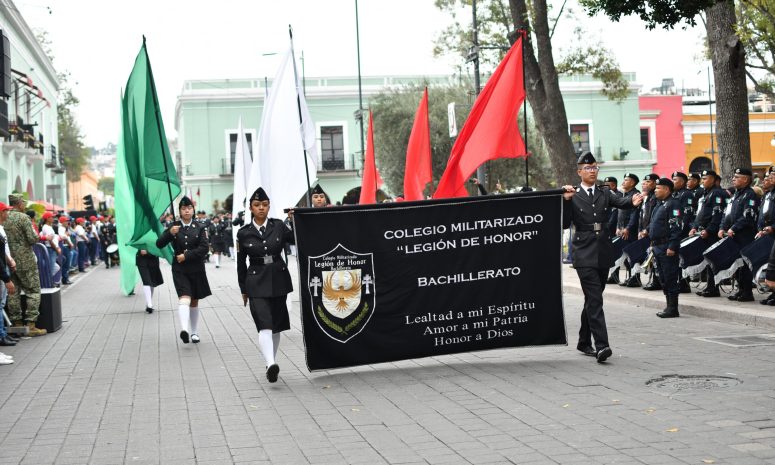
<point x="280" y="168"/>
<point x="242" y="167"/>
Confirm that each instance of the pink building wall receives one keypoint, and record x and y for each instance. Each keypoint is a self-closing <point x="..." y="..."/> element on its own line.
<point x="663" y="115"/>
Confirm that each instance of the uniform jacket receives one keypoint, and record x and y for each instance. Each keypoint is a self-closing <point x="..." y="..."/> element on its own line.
<point x="642" y="217"/>
<point x="742" y="215"/>
<point x="626" y="214"/>
<point x="686" y="205"/>
<point x="665" y="228"/>
<point x="767" y="211"/>
<point x="217" y="233"/>
<point x="770" y="276"/>
<point x="613" y="217"/>
<point x="710" y="211"/>
<point x="592" y="248"/>
<point x="191" y="241"/>
<point x="21" y="238"/>
<point x="258" y="279"/>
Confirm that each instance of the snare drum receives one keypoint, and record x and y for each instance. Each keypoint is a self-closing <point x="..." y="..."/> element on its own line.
<point x="636" y="251"/>
<point x="691" y="251"/>
<point x="757" y="253"/>
<point x="112" y="248"/>
<point x="724" y="258"/>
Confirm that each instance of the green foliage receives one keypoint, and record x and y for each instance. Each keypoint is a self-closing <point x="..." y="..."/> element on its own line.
<point x="756" y="29"/>
<point x="106" y="185"/>
<point x="394" y="112"/>
<point x="494" y="20"/>
<point x="665" y="13"/>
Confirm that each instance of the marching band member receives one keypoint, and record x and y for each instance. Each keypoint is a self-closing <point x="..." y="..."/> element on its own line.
<point x="189" y="242"/>
<point x="707" y="220"/>
<point x="766" y="223"/>
<point x="265" y="283"/>
<point x="665" y="235"/>
<point x="739" y="223"/>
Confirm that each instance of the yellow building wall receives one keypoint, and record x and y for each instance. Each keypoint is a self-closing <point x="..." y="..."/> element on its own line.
<point x="762" y="151"/>
<point x="78" y="190"/>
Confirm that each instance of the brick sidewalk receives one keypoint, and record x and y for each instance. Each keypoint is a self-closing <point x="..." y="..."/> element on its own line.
<point x="115" y="385"/>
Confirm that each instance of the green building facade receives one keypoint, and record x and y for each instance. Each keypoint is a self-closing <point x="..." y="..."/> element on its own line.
<point x="208" y="111"/>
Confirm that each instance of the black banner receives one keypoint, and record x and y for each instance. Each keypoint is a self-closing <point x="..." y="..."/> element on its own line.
<point x="391" y="282"/>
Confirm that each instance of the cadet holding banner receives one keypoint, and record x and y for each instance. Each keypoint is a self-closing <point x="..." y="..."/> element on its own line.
<point x="587" y="208"/>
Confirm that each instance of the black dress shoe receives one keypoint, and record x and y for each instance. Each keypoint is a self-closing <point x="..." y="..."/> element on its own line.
<point x="733" y="296"/>
<point x="148" y="309"/>
<point x="184" y="336"/>
<point x="653" y="286"/>
<point x="7" y="342"/>
<point x="770" y="300"/>
<point x="272" y="372"/>
<point x="708" y="293"/>
<point x="745" y="298"/>
<point x="589" y="351"/>
<point x="603" y="354"/>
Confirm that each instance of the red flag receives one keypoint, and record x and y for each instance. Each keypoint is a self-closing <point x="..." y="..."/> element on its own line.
<point x="491" y="129"/>
<point x="371" y="180"/>
<point x="418" y="154"/>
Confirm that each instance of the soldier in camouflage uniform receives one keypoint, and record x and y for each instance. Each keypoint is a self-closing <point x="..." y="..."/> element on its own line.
<point x="21" y="238"/>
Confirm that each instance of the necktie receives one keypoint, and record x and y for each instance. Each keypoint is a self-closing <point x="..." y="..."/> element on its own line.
<point x="261" y="231"/>
<point x="589" y="191"/>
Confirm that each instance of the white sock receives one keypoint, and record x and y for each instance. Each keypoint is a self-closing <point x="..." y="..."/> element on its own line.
<point x="266" y="345"/>
<point x="231" y="252"/>
<point x="183" y="315"/>
<point x="217" y="259"/>
<point x="194" y="320"/>
<point x="276" y="342"/>
<point x="148" y="291"/>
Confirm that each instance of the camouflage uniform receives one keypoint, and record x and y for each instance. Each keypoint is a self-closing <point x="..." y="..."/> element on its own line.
<point x="21" y="238"/>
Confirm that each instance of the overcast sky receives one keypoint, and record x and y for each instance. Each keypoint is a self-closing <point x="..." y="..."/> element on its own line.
<point x="97" y="41"/>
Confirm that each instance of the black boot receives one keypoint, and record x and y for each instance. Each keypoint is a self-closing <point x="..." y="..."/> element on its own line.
<point x="672" y="308"/>
<point x="770" y="300"/>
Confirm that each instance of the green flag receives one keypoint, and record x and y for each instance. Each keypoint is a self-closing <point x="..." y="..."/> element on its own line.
<point x="148" y="176"/>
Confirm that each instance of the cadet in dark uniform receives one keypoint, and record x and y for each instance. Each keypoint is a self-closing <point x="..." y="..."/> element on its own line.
<point x="694" y="184"/>
<point x="189" y="243"/>
<point x="766" y="223"/>
<point x="707" y="220"/>
<point x="625" y="228"/>
<point x="150" y="274"/>
<point x="644" y="219"/>
<point x="217" y="235"/>
<point x="665" y="235"/>
<point x="686" y="204"/>
<point x="587" y="208"/>
<point x="319" y="197"/>
<point x="740" y="224"/>
<point x="265" y="283"/>
<point x="613" y="218"/>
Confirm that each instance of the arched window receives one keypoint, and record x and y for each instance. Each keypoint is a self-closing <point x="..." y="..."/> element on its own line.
<point x="700" y="164"/>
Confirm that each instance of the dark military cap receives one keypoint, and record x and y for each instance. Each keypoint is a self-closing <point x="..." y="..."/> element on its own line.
<point x="744" y="171"/>
<point x="611" y="179"/>
<point x="185" y="202"/>
<point x="651" y="177"/>
<point x="709" y="173"/>
<point x="694" y="175"/>
<point x="318" y="190"/>
<point x="678" y="174"/>
<point x="632" y="176"/>
<point x="586" y="158"/>
<point x="665" y="182"/>
<point x="259" y="194"/>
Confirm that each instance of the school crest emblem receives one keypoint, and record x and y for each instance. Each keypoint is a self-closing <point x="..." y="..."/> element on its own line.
<point x="342" y="291"/>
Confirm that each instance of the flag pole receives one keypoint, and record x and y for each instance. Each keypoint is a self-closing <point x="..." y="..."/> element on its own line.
<point x="158" y="128"/>
<point x="301" y="121"/>
<point x="523" y="33"/>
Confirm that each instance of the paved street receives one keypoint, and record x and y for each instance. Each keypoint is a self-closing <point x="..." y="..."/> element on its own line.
<point x="115" y="385"/>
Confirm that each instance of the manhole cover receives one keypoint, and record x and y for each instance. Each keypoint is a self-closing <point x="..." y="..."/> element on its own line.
<point x="693" y="382"/>
<point x="751" y="340"/>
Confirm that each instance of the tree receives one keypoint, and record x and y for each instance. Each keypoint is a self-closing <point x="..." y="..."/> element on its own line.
<point x="498" y="21"/>
<point x="106" y="185"/>
<point x="71" y="145"/>
<point x="756" y="28"/>
<point x="393" y="118"/>
<point x="727" y="55"/>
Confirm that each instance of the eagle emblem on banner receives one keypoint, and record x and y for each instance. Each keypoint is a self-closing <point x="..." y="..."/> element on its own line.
<point x="342" y="291"/>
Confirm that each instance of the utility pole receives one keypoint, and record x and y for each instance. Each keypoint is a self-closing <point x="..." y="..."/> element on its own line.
<point x="360" y="88"/>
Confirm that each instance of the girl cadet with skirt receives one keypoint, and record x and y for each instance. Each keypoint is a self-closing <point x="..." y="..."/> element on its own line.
<point x="190" y="246"/>
<point x="265" y="282"/>
<point x="150" y="274"/>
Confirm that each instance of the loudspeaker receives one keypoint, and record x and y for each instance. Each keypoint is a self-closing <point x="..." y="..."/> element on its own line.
<point x="3" y="118"/>
<point x="5" y="67"/>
